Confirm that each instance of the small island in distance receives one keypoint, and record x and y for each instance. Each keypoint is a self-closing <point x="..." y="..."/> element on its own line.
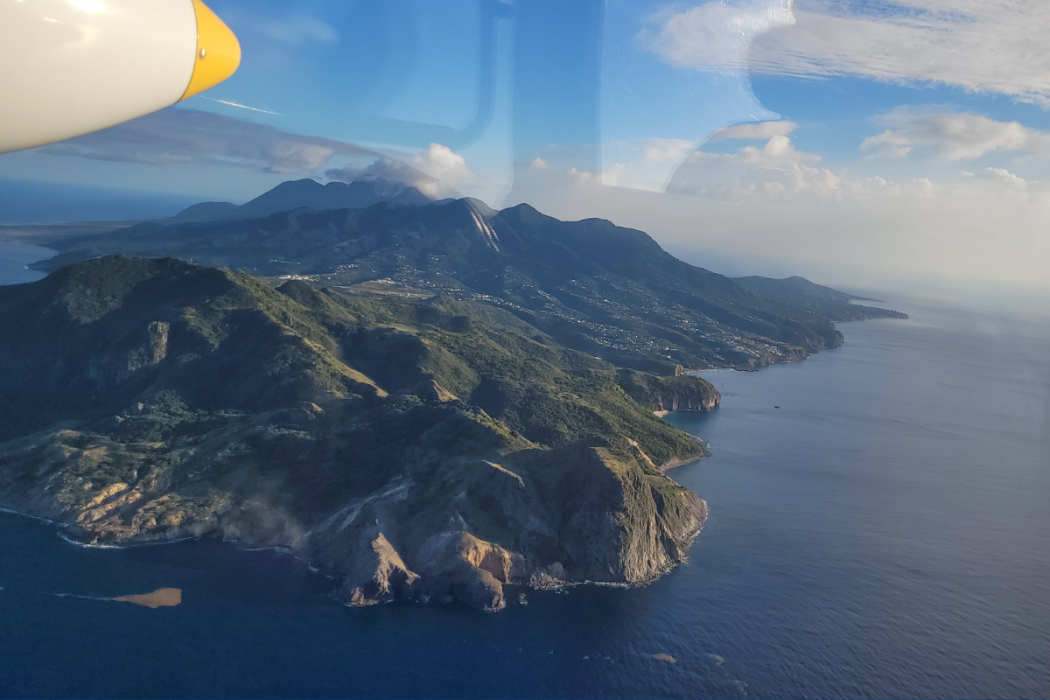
<point x="422" y="399"/>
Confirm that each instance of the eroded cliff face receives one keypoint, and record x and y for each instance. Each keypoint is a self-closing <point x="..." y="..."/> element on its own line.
<point x="788" y="354"/>
<point x="460" y="529"/>
<point x="665" y="394"/>
<point x="676" y="400"/>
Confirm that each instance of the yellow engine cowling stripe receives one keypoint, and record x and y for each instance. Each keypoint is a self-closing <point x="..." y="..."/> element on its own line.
<point x="218" y="52"/>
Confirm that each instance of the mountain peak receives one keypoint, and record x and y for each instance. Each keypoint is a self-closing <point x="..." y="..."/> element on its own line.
<point x="290" y="186"/>
<point x="480" y="207"/>
<point x="309" y="194"/>
<point x="524" y="214"/>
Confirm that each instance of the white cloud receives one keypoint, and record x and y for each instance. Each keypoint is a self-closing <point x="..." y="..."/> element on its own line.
<point x="715" y="36"/>
<point x="762" y="131"/>
<point x="582" y="176"/>
<point x="777" y="170"/>
<point x="953" y="136"/>
<point x="773" y="200"/>
<point x="777" y="149"/>
<point x="388" y="169"/>
<point x="1007" y="177"/>
<point x="187" y="136"/>
<point x="538" y="163"/>
<point x="993" y="46"/>
<point x="447" y="168"/>
<point x="436" y="171"/>
<point x="886" y="150"/>
<point x="658" y="149"/>
<point x="645" y="164"/>
<point x="991" y="227"/>
<point x="175" y="137"/>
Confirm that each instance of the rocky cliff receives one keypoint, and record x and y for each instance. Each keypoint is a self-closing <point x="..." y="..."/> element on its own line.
<point x="412" y="448"/>
<point x="665" y="394"/>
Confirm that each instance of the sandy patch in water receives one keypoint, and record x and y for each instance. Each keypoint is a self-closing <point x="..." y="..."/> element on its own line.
<point x="160" y="598"/>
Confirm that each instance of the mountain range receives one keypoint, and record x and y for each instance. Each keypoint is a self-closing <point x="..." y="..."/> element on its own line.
<point x="422" y="399"/>
<point x="606" y="290"/>
<point x="310" y="194"/>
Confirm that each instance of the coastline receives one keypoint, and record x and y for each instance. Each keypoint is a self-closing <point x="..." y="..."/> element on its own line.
<point x="647" y="504"/>
<point x="770" y="588"/>
<point x="17" y="258"/>
<point x="533" y="583"/>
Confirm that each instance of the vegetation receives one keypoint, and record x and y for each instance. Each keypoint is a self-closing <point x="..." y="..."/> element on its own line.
<point x="436" y="400"/>
<point x="817" y="299"/>
<point x="151" y="398"/>
<point x="604" y="290"/>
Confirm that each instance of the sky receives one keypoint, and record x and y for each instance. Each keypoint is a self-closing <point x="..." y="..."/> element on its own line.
<point x="856" y="141"/>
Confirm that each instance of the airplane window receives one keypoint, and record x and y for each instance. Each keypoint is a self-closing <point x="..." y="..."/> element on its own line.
<point x="524" y="348"/>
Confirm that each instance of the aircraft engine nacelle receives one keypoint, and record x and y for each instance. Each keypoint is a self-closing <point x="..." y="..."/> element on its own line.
<point x="71" y="67"/>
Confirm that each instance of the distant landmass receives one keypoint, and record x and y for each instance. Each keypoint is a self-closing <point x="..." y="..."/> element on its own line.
<point x="424" y="399"/>
<point x="609" y="291"/>
<point x="308" y="194"/>
<point x="828" y="302"/>
<point x="290" y="195"/>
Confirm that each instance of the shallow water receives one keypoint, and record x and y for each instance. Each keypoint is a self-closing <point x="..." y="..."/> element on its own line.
<point x="884" y="533"/>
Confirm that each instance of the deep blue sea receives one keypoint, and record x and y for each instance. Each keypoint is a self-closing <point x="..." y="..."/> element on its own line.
<point x="883" y="533"/>
<point x="37" y="202"/>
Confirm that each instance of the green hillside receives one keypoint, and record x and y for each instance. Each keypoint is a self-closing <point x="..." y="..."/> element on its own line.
<point x="438" y="446"/>
<point x="605" y="290"/>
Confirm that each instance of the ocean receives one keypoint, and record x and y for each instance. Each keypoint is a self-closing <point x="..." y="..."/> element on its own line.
<point x="878" y="528"/>
<point x="15" y="257"/>
<point x="40" y="202"/>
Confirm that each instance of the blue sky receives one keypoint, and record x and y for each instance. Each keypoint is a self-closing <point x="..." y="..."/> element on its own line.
<point x="895" y="138"/>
